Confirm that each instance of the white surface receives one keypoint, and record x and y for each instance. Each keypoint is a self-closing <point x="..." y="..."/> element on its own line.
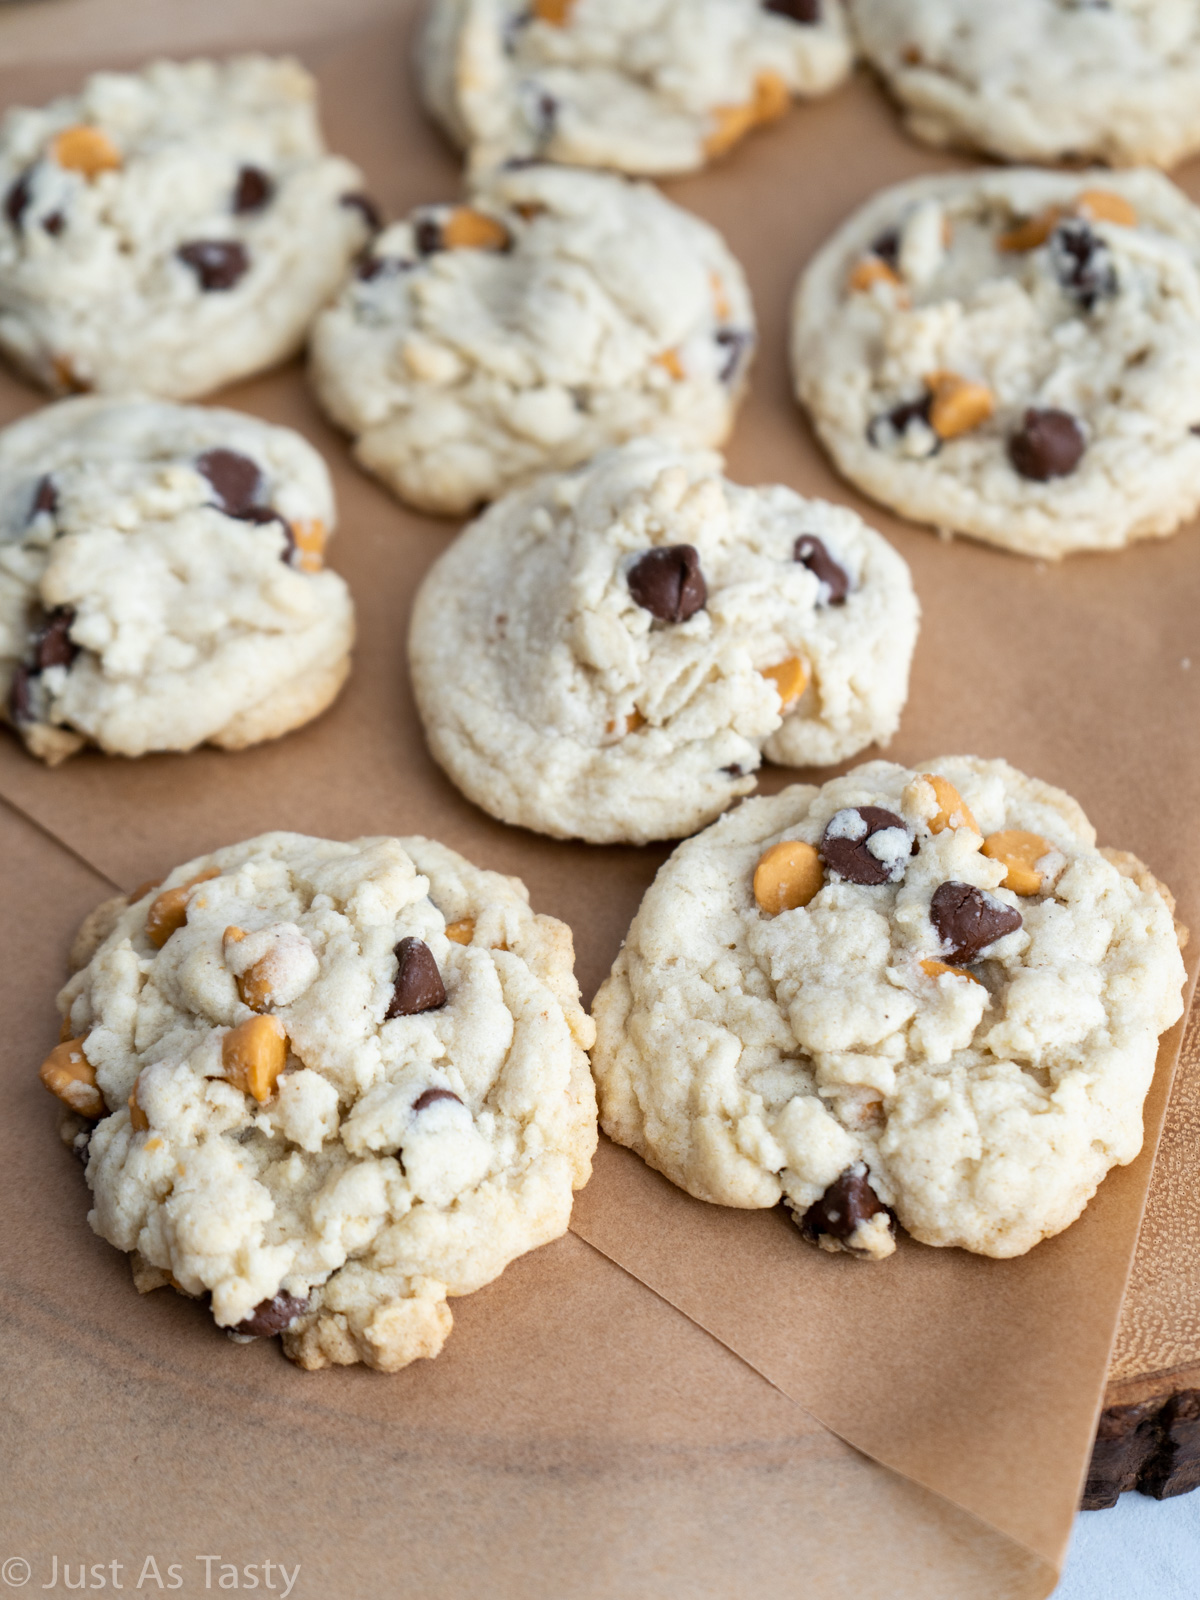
<point x="1141" y="1549"/>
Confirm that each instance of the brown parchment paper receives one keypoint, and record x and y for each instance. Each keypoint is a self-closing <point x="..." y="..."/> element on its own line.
<point x="978" y="1380"/>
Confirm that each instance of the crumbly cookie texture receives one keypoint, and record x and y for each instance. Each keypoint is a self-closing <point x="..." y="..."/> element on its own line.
<point x="171" y="230"/>
<point x="640" y="86"/>
<point x="161" y="579"/>
<point x="1043" y="80"/>
<point x="915" y="993"/>
<point x="608" y="654"/>
<point x="332" y="1084"/>
<point x="1013" y="355"/>
<point x="552" y="315"/>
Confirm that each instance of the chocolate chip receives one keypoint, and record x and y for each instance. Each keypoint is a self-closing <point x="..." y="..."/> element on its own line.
<point x="968" y="920"/>
<point x="810" y="552"/>
<point x="429" y="238"/>
<point x="668" y="582"/>
<point x="848" y="1201"/>
<point x="236" y="481"/>
<point x="371" y="213"/>
<point x="734" y="771"/>
<point x="894" y="424"/>
<point x="45" y="498"/>
<point x="254" y="190"/>
<point x="1082" y="263"/>
<point x="54" y="224"/>
<point x="273" y="1315"/>
<point x="806" y="11"/>
<point x="263" y="514"/>
<point x="371" y="267"/>
<point x="887" y="247"/>
<point x="1050" y="444"/>
<point x="20" y="696"/>
<point x="845" y="845"/>
<point x="546" y="114"/>
<point x="81" y="1146"/>
<point x="16" y="201"/>
<point x="739" y="342"/>
<point x="418" y="985"/>
<point x="218" y="263"/>
<point x="53" y="646"/>
<point x="427" y="1097"/>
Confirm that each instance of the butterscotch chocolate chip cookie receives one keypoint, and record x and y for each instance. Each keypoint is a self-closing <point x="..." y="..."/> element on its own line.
<point x="161" y="579"/>
<point x="915" y="994"/>
<point x="1013" y="355"/>
<point x="324" y="1086"/>
<point x="608" y="654"/>
<point x="554" y="314"/>
<point x="640" y="87"/>
<point x="170" y="230"/>
<point x="1043" y="80"/>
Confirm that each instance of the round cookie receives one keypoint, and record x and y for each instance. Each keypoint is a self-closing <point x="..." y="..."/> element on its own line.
<point x="917" y="994"/>
<point x="161" y="581"/>
<point x="328" y="1085"/>
<point x="1013" y="355"/>
<point x="608" y="654"/>
<point x="643" y="88"/>
<point x="555" y="314"/>
<point x="1043" y="80"/>
<point x="171" y="230"/>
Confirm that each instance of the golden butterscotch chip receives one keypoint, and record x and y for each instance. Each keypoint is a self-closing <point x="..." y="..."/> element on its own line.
<point x="169" y="911"/>
<point x="87" y="150"/>
<point x="71" y="1078"/>
<point x="253" y="1055"/>
<point x="953" y="811"/>
<point x="138" y="1120"/>
<point x="467" y="229"/>
<point x="67" y="377"/>
<point x="790" y="678"/>
<point x="1030" y="232"/>
<point x="935" y="969"/>
<point x="870" y="271"/>
<point x="731" y="123"/>
<point x="254" y="985"/>
<point x="309" y="537"/>
<point x="958" y="405"/>
<point x="1102" y="205"/>
<point x="555" y="12"/>
<point x="721" y="306"/>
<point x="461" y="932"/>
<point x="788" y="875"/>
<point x="670" y="362"/>
<point x="1019" y="852"/>
<point x="143" y="889"/>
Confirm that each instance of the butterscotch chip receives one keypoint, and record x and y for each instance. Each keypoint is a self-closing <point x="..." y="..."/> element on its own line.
<point x="253" y="1055"/>
<point x="790" y="678"/>
<point x="461" y="932"/>
<point x="953" y="811"/>
<point x="1019" y="852"/>
<point x="1030" y="232"/>
<point x="1102" y="205"/>
<point x="958" y="405"/>
<point x="169" y="911"/>
<point x="555" y="12"/>
<point x="138" y="1120"/>
<point x="770" y="100"/>
<point x="71" y="1078"/>
<point x="254" y="986"/>
<point x="86" y="150"/>
<point x="935" y="969"/>
<point x="788" y="875"/>
<point x="467" y="229"/>
<point x="870" y="271"/>
<point x="309" y="536"/>
<point x="670" y="362"/>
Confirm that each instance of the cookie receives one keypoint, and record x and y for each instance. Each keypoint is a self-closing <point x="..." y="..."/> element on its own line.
<point x="646" y="89"/>
<point x="325" y="1085"/>
<point x="1043" y="80"/>
<point x="552" y="315"/>
<point x="915" y="994"/>
<point x="1013" y="355"/>
<point x="171" y="230"/>
<point x="161" y="581"/>
<point x="609" y="654"/>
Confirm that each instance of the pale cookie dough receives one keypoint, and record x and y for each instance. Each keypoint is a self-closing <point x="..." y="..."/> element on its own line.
<point x="641" y="86"/>
<point x="171" y="230"/>
<point x="1043" y="80"/>
<point x="913" y="992"/>
<point x="332" y="1084"/>
<point x="556" y="313"/>
<point x="161" y="581"/>
<point x="1013" y="355"/>
<point x="608" y="654"/>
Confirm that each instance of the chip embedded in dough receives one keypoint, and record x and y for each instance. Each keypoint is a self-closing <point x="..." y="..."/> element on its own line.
<point x="608" y="654"/>
<point x="162" y="582"/>
<point x="319" y="1108"/>
<point x="552" y="314"/>
<point x="171" y="230"/>
<point x="916" y="1040"/>
<point x="641" y="88"/>
<point x="1043" y="80"/>
<point x="1013" y="355"/>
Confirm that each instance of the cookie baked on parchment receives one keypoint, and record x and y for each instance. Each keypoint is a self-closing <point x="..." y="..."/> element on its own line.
<point x="171" y="230"/>
<point x="327" y="1085"/>
<point x="554" y="314"/>
<point x="1043" y="80"/>
<point x="640" y="86"/>
<point x="1013" y="355"/>
<point x="916" y="994"/>
<point x="609" y="654"/>
<point x="161" y="579"/>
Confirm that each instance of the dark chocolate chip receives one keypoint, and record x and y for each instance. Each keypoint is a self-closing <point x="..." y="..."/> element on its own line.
<point x="849" y="856"/>
<point x="807" y="11"/>
<point x="253" y="191"/>
<point x="968" y="920"/>
<point x="81" y="1146"/>
<point x="371" y="213"/>
<point x="20" y="696"/>
<point x="546" y="112"/>
<point x="1049" y="444"/>
<point x="900" y="417"/>
<point x="54" y="223"/>
<point x="429" y="238"/>
<point x="887" y="247"/>
<point x="16" y="201"/>
<point x="1082" y="263"/>
<point x="53" y="646"/>
<point x="418" y="985"/>
<point x="810" y="552"/>
<point x="668" y="582"/>
<point x="262" y="514"/>
<point x="734" y="771"/>
<point x="218" y="263"/>
<point x="45" y="498"/>
<point x="848" y="1201"/>
<point x="739" y="342"/>
<point x="273" y="1315"/>
<point x="236" y="481"/>
<point x="427" y="1097"/>
<point x="371" y="267"/>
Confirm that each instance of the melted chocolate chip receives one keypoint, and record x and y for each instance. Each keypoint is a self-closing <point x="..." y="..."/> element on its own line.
<point x="371" y="267"/>
<point x="806" y="11"/>
<point x="54" y="224"/>
<point x="738" y="342"/>
<point x="844" y="847"/>
<point x="45" y="498"/>
<point x="16" y="201"/>
<point x="254" y="190"/>
<point x="668" y="582"/>
<point x="52" y="646"/>
<point x="968" y="920"/>
<point x="20" y="696"/>
<point x="1049" y="444"/>
<point x="236" y="481"/>
<point x="428" y="1097"/>
<point x="899" y="418"/>
<point x="273" y="1315"/>
<point x="218" y="263"/>
<point x="1082" y="263"/>
<point x="734" y="771"/>
<point x="371" y="213"/>
<point x="810" y="552"/>
<point x="887" y="247"/>
<point x="418" y="985"/>
<point x="428" y="233"/>
<point x="848" y="1201"/>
